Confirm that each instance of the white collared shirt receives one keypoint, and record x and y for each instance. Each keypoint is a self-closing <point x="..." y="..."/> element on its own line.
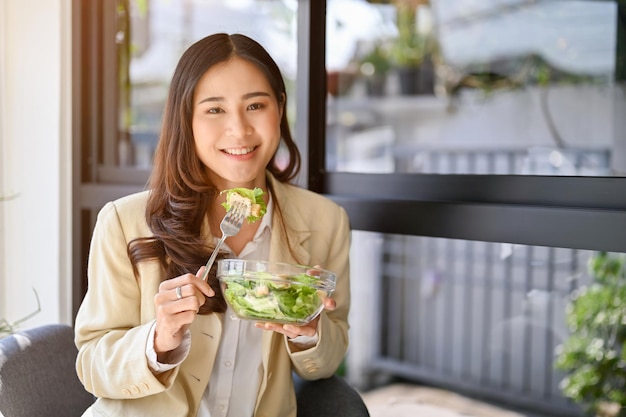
<point x="234" y="383"/>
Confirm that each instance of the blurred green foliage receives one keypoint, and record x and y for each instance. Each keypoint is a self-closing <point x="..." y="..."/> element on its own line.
<point x="595" y="353"/>
<point x="7" y="328"/>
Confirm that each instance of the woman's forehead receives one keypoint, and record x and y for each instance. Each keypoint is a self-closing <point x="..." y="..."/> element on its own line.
<point x="234" y="78"/>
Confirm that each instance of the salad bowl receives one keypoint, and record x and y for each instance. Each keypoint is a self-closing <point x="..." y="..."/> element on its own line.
<point x="273" y="291"/>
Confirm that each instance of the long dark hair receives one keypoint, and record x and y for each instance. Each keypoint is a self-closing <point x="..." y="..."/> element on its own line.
<point x="180" y="191"/>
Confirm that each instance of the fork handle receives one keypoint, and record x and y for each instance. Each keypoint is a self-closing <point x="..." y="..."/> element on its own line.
<point x="209" y="263"/>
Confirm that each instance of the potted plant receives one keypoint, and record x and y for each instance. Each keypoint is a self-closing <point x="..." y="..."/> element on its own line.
<point x="374" y="67"/>
<point x="411" y="49"/>
<point x="594" y="356"/>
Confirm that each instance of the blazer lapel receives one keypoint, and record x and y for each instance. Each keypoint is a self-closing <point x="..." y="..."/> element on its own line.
<point x="288" y="249"/>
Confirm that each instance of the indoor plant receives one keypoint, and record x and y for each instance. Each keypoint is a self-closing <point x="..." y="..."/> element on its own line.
<point x="410" y="47"/>
<point x="374" y="67"/>
<point x="594" y="355"/>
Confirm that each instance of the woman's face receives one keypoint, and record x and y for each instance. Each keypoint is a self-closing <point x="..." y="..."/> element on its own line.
<point x="236" y="124"/>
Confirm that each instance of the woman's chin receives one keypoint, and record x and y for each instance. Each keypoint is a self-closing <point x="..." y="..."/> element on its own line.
<point x="246" y="180"/>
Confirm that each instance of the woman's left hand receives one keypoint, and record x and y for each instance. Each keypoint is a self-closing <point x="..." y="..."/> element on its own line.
<point x="291" y="330"/>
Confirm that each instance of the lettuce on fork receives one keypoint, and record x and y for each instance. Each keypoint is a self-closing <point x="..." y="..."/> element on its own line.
<point x="251" y="198"/>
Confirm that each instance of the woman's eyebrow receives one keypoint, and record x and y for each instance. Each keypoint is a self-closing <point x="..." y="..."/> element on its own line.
<point x="255" y="94"/>
<point x="211" y="99"/>
<point x="246" y="96"/>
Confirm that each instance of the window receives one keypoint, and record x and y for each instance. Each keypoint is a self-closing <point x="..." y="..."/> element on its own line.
<point x="456" y="87"/>
<point x="479" y="159"/>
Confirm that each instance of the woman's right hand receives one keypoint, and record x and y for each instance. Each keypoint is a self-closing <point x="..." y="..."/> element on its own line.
<point x="176" y="305"/>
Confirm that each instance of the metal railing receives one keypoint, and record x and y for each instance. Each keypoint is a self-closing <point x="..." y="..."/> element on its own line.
<point x="483" y="318"/>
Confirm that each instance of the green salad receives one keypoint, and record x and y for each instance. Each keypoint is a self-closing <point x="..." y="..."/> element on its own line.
<point x="251" y="198"/>
<point x="261" y="296"/>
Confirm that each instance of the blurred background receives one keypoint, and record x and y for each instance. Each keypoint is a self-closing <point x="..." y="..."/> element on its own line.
<point x="479" y="147"/>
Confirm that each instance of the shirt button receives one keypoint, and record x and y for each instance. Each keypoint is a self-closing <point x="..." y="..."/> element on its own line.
<point x="228" y="364"/>
<point x="233" y="317"/>
<point x="222" y="407"/>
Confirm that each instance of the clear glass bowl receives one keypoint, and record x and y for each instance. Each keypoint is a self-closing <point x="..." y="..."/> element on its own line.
<point x="273" y="291"/>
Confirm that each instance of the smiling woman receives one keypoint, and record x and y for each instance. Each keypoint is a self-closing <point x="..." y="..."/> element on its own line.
<point x="147" y="306"/>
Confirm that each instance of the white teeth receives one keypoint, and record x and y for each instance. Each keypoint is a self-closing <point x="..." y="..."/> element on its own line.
<point x="239" y="151"/>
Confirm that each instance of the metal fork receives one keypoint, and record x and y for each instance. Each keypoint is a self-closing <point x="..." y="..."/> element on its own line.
<point x="230" y="226"/>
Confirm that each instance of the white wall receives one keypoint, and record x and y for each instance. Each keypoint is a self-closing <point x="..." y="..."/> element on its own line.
<point x="35" y="139"/>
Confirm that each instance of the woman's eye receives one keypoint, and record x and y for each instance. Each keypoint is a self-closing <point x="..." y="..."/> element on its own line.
<point x="255" y="106"/>
<point x="214" y="110"/>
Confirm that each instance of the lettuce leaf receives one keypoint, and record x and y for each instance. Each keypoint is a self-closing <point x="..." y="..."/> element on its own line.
<point x="258" y="209"/>
<point x="271" y="300"/>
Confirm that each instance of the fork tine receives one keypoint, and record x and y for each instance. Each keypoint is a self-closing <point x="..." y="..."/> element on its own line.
<point x="240" y="218"/>
<point x="236" y="214"/>
<point x="240" y="209"/>
<point x="230" y="213"/>
<point x="234" y="209"/>
<point x="240" y="214"/>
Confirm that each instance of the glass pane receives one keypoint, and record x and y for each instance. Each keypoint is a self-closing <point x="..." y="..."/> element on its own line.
<point x="160" y="30"/>
<point x="475" y="87"/>
<point x="500" y="321"/>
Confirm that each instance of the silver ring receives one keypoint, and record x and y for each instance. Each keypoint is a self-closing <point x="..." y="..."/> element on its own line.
<point x="179" y="293"/>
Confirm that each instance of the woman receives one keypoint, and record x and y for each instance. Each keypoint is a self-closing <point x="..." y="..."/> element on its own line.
<point x="153" y="338"/>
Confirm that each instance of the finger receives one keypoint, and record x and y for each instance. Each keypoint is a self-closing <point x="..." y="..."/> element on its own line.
<point x="330" y="304"/>
<point x="208" y="290"/>
<point x="182" y="291"/>
<point x="192" y="282"/>
<point x="276" y="328"/>
<point x="299" y="330"/>
<point x="316" y="271"/>
<point x="168" y="304"/>
<point x="179" y="292"/>
<point x="172" y="283"/>
<point x="288" y="330"/>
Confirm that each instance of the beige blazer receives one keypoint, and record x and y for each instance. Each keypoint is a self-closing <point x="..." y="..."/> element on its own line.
<point x="114" y="319"/>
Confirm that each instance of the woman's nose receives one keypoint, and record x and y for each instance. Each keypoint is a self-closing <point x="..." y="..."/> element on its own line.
<point x="239" y="126"/>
